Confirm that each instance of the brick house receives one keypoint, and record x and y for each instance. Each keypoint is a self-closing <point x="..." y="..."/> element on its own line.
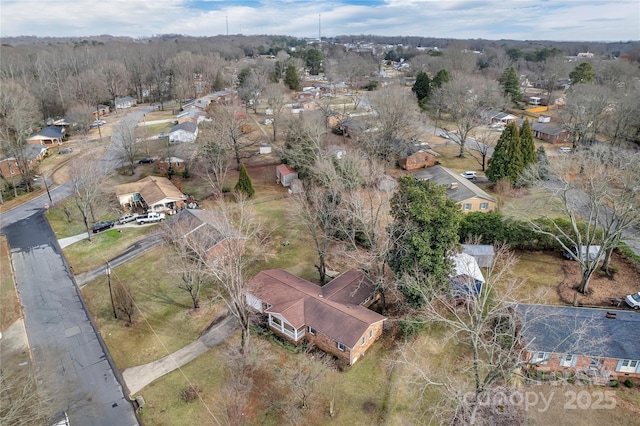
<point x="465" y="193"/>
<point x="550" y="133"/>
<point x="413" y="156"/>
<point x="33" y="155"/>
<point x="49" y="136"/>
<point x="334" y="318"/>
<point x="603" y="344"/>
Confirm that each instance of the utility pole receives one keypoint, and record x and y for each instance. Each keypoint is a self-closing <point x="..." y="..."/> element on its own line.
<point x="46" y="186"/>
<point x="113" y="306"/>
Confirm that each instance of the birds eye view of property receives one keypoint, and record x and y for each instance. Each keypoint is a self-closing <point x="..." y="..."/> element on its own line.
<point x="231" y="213"/>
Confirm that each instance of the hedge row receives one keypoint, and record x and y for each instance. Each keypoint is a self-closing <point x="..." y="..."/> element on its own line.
<point x="494" y="228"/>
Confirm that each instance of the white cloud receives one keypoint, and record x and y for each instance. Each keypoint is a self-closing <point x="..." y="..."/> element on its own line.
<point x="490" y="19"/>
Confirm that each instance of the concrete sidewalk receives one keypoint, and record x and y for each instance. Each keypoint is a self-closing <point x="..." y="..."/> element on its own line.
<point x="140" y="376"/>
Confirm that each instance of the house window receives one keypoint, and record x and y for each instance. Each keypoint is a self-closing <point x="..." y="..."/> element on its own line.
<point x="370" y="334"/>
<point x="12" y="171"/>
<point x="540" y="358"/>
<point x="276" y="321"/>
<point x="340" y="346"/>
<point x="567" y="360"/>
<point x="312" y="330"/>
<point x="467" y="206"/>
<point x="364" y="340"/>
<point x="629" y="366"/>
<point x="484" y="206"/>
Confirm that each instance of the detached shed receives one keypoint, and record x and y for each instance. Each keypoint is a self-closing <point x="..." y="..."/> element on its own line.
<point x="285" y="175"/>
<point x="483" y="253"/>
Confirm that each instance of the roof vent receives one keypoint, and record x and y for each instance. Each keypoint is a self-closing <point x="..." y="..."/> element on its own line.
<point x="611" y="315"/>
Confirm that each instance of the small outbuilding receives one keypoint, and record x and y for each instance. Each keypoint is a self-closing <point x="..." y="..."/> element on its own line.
<point x="285" y="175"/>
<point x="484" y="254"/>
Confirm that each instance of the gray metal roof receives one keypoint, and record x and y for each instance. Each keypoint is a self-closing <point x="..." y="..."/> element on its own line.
<point x="187" y="126"/>
<point x="581" y="331"/>
<point x="483" y="253"/>
<point x="443" y="176"/>
<point x="53" y="132"/>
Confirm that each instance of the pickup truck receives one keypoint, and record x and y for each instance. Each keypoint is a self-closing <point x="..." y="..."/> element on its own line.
<point x="150" y="218"/>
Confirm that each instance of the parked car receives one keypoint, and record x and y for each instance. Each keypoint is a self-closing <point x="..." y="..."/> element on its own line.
<point x="98" y="123"/>
<point x="469" y="175"/>
<point x="633" y="300"/>
<point x="443" y="135"/>
<point x="146" y="160"/>
<point x="129" y="217"/>
<point x="150" y="218"/>
<point x="102" y="226"/>
<point x="594" y="253"/>
<point x="564" y="150"/>
<point x="65" y="151"/>
<point x="163" y="135"/>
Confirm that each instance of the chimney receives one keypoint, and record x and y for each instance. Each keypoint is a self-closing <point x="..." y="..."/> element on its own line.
<point x="454" y="185"/>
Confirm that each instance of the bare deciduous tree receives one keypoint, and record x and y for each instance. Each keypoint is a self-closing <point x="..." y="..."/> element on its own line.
<point x="276" y="100"/>
<point x="116" y="79"/>
<point x="213" y="158"/>
<point x="227" y="127"/>
<point x="583" y="114"/>
<point x="123" y="300"/>
<point x="82" y="115"/>
<point x="125" y="142"/>
<point x="464" y="100"/>
<point x="87" y="179"/>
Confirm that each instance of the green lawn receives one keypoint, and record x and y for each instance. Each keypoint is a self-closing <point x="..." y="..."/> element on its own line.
<point x="164" y="321"/>
<point x="534" y="203"/>
<point x="542" y="272"/>
<point x="84" y="255"/>
<point x="154" y="129"/>
<point x="449" y="158"/>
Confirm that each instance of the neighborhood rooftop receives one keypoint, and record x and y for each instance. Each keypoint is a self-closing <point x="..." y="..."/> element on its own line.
<point x="559" y="329"/>
<point x="443" y="176"/>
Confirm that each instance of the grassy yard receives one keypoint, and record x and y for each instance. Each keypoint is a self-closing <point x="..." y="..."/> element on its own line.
<point x="60" y="224"/>
<point x="449" y="158"/>
<point x="534" y="203"/>
<point x="542" y="272"/>
<point x="164" y="321"/>
<point x="154" y="129"/>
<point x="84" y="256"/>
<point x="10" y="305"/>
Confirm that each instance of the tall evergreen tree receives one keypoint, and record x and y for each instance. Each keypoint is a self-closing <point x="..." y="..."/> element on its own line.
<point x="527" y="146"/>
<point x="507" y="161"/>
<point x="544" y="168"/>
<point x="218" y="84"/>
<point x="424" y="232"/>
<point x="511" y="83"/>
<point x="442" y="77"/>
<point x="422" y="86"/>
<point x="244" y="184"/>
<point x="583" y="73"/>
<point x="291" y="78"/>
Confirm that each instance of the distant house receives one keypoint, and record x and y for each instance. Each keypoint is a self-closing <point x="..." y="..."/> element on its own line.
<point x="191" y="115"/>
<point x="465" y="193"/>
<point x="153" y="193"/>
<point x="550" y="133"/>
<point x="333" y="318"/>
<point x="177" y="165"/>
<point x="126" y="102"/>
<point x="285" y="175"/>
<point x="33" y="155"/>
<point x="183" y="132"/>
<point x="555" y="340"/>
<point x="484" y="254"/>
<point x="101" y="111"/>
<point x="494" y="117"/>
<point x="222" y="97"/>
<point x="49" y="136"/>
<point x="414" y="155"/>
<point x="212" y="234"/>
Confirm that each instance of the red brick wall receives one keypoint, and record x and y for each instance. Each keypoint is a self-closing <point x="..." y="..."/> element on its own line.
<point x="418" y="160"/>
<point x="583" y="363"/>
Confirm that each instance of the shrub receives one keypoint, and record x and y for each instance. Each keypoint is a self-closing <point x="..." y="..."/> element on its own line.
<point x="411" y="326"/>
<point x="190" y="393"/>
<point x="614" y="383"/>
<point x="186" y="173"/>
<point x="244" y="182"/>
<point x="628" y="383"/>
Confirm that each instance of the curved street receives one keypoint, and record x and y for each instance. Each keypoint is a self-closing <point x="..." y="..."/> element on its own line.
<point x="59" y="329"/>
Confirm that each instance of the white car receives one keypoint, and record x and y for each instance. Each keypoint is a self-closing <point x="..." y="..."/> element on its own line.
<point x="443" y="135"/>
<point x="633" y="300"/>
<point x="564" y="150"/>
<point x="98" y="123"/>
<point x="469" y="175"/>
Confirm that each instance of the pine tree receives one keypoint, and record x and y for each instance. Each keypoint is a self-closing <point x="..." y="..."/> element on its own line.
<point x="544" y="168"/>
<point x="291" y="78"/>
<point x="583" y="73"/>
<point x="511" y="83"/>
<point x="244" y="182"/>
<point x="506" y="161"/>
<point x="527" y="146"/>
<point x="218" y="84"/>
<point x="422" y="86"/>
<point x="442" y="77"/>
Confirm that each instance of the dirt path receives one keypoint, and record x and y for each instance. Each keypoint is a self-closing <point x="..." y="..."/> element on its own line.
<point x="140" y="376"/>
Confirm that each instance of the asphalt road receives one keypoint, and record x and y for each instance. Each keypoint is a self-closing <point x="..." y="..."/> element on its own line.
<point x="62" y="337"/>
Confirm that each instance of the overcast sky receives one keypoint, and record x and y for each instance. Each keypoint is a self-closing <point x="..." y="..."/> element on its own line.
<point x="589" y="20"/>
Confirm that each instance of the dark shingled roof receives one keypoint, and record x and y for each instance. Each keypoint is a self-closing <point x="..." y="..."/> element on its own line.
<point x="581" y="331"/>
<point x="187" y="126"/>
<point x="443" y="176"/>
<point x="53" y="132"/>
<point x="333" y="310"/>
